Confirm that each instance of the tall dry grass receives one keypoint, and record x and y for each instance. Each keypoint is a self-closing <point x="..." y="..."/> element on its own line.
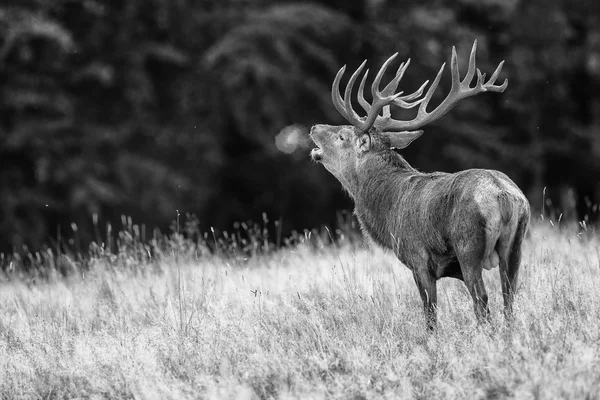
<point x="303" y="322"/>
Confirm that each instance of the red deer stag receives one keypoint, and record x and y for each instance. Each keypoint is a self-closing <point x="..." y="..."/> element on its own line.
<point x="438" y="224"/>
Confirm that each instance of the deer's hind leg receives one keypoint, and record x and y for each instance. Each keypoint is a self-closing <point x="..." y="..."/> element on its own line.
<point x="473" y="252"/>
<point x="509" y="250"/>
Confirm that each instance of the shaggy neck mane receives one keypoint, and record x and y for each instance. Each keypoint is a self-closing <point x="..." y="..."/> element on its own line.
<point x="396" y="161"/>
<point x="381" y="169"/>
<point x="386" y="163"/>
<point x="384" y="179"/>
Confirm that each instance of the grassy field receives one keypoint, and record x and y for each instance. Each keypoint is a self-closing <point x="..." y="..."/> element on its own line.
<point x="336" y="322"/>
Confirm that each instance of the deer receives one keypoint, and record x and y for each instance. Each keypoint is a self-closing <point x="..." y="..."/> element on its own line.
<point x="437" y="224"/>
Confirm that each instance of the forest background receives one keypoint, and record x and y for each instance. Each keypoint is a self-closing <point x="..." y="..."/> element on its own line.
<point x="155" y="108"/>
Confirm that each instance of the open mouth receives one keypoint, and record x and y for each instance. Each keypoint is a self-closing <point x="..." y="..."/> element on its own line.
<point x="316" y="154"/>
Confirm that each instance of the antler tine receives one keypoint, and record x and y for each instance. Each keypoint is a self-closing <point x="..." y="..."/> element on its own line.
<point x="348" y="93"/>
<point x="377" y="81"/>
<point x="471" y="70"/>
<point x="480" y="80"/>
<point x="495" y="88"/>
<point x="429" y="94"/>
<point x="415" y="94"/>
<point x="361" y="90"/>
<point x="404" y="100"/>
<point x="391" y="87"/>
<point x="337" y="100"/>
<point x="454" y="73"/>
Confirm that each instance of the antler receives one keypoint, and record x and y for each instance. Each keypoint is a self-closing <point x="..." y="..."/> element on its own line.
<point x="383" y="99"/>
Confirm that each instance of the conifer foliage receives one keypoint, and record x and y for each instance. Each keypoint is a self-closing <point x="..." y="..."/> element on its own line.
<point x="144" y="108"/>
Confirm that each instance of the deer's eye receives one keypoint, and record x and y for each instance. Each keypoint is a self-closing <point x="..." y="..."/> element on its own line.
<point x="341" y="138"/>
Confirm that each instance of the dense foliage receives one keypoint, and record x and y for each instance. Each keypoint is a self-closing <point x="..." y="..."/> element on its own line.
<point x="154" y="108"/>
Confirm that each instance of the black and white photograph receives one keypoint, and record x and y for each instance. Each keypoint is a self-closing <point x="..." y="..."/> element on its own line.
<point x="326" y="199"/>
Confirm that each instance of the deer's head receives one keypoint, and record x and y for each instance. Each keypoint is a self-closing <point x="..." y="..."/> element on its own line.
<point x="340" y="148"/>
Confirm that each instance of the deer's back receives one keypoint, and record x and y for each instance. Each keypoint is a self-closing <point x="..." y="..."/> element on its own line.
<point x="431" y="212"/>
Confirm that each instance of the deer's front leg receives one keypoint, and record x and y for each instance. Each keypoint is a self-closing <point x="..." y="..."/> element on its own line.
<point x="426" y="283"/>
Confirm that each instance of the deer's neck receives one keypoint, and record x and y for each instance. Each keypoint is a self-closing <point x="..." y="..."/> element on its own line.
<point x="384" y="187"/>
<point x="387" y="170"/>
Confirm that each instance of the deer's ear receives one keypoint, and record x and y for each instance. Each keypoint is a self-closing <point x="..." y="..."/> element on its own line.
<point x="363" y="143"/>
<point x="401" y="140"/>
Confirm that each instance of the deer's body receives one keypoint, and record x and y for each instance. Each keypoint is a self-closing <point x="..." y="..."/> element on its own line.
<point x="434" y="213"/>
<point x="438" y="224"/>
<point x="444" y="225"/>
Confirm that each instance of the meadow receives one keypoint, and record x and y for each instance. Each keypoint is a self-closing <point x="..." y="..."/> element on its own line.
<point x="306" y="321"/>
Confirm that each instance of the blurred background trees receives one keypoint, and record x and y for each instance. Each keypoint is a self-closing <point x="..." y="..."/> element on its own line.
<point x="144" y="108"/>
